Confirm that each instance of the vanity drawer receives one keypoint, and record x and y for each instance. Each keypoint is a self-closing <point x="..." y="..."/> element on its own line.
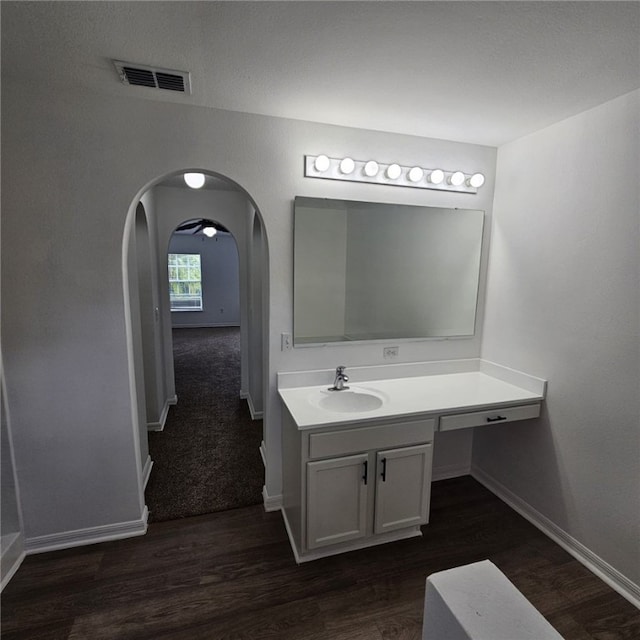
<point x="332" y="443"/>
<point x="493" y="416"/>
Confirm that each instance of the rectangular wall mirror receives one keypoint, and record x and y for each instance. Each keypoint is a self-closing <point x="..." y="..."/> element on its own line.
<point x="372" y="271"/>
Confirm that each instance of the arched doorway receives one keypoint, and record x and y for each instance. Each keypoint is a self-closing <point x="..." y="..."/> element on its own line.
<point x="167" y="204"/>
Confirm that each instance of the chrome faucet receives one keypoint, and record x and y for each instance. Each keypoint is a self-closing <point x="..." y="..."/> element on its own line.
<point x="341" y="378"/>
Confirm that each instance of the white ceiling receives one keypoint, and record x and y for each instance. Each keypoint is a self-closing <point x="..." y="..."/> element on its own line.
<point x="481" y="72"/>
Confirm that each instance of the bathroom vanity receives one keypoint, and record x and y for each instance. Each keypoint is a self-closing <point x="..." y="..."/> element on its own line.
<point x="357" y="462"/>
<point x="357" y="459"/>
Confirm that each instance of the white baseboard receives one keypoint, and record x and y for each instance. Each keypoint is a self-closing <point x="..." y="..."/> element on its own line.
<point x="90" y="535"/>
<point x="450" y="471"/>
<point x="146" y="471"/>
<point x="616" y="580"/>
<point x="159" y="426"/>
<point x="203" y="325"/>
<point x="255" y="415"/>
<point x="354" y="545"/>
<point x="271" y="503"/>
<point x="12" y="555"/>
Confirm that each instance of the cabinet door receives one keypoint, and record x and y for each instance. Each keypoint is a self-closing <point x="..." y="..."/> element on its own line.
<point x="403" y="487"/>
<point x="336" y="500"/>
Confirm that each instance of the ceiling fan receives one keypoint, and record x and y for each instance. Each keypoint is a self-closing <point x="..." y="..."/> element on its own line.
<point x="208" y="227"/>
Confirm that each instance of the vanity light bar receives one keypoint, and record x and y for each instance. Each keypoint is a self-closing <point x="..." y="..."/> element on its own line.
<point x="322" y="166"/>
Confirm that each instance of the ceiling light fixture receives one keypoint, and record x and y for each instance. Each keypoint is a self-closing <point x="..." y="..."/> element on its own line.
<point x="393" y="174"/>
<point x="209" y="231"/>
<point x="194" y="180"/>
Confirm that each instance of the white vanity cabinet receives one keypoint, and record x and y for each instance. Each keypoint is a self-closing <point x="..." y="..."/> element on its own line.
<point x="403" y="487"/>
<point x="338" y="490"/>
<point x="356" y="466"/>
<point x="337" y="497"/>
<point x="355" y="485"/>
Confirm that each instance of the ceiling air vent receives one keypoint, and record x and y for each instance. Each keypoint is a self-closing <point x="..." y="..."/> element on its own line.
<point x="141" y="75"/>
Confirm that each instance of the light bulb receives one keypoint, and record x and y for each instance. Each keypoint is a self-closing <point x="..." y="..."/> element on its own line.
<point x="393" y="171"/>
<point x="321" y="163"/>
<point x="194" y="180"/>
<point x="209" y="231"/>
<point x="456" y="178"/>
<point x="415" y="174"/>
<point x="476" y="180"/>
<point x="436" y="176"/>
<point x="347" y="165"/>
<point x="371" y="169"/>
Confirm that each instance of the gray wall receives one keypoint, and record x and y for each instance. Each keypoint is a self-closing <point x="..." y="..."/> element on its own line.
<point x="10" y="515"/>
<point x="149" y="317"/>
<point x="141" y="400"/>
<point x="158" y="393"/>
<point x="220" y="280"/>
<point x="257" y="303"/>
<point x="11" y="533"/>
<point x="66" y="348"/>
<point x="563" y="303"/>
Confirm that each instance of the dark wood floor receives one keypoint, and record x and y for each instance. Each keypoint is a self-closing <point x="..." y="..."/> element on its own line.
<point x="231" y="575"/>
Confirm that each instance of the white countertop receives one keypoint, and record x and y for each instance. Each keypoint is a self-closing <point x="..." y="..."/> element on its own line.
<point x="410" y="396"/>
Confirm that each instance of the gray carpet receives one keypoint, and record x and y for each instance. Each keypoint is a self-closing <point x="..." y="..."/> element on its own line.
<point x="207" y="458"/>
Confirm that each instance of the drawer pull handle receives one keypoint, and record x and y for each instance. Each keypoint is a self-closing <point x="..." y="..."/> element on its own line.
<point x="496" y="419"/>
<point x="366" y="467"/>
<point x="384" y="470"/>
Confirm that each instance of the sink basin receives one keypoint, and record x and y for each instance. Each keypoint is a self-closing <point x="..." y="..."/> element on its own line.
<point x="350" y="401"/>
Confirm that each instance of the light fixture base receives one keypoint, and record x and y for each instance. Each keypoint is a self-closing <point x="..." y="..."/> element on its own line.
<point x="359" y="174"/>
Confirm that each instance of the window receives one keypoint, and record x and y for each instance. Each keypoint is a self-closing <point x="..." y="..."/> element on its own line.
<point x="185" y="282"/>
